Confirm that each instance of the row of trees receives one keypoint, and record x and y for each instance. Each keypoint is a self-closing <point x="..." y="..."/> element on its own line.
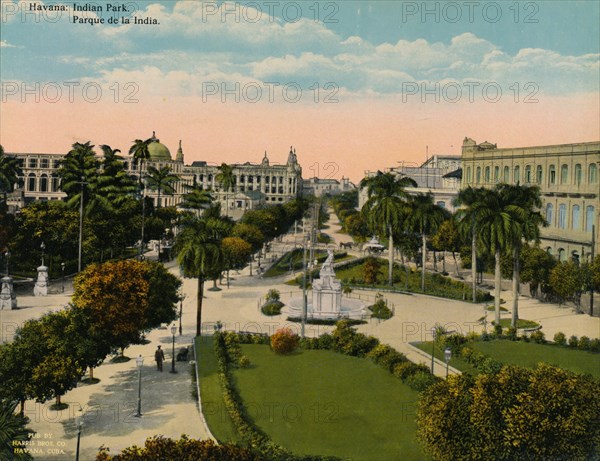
<point x="114" y="304"/>
<point x="496" y="221"/>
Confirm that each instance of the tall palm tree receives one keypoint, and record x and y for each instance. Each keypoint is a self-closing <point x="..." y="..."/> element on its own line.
<point x="196" y="199"/>
<point x="424" y="217"/>
<point x="527" y="201"/>
<point x="141" y="154"/>
<point x="498" y="224"/>
<point x="198" y="249"/>
<point x="225" y="178"/>
<point x="10" y="171"/>
<point x="467" y="224"/>
<point x="384" y="207"/>
<point x="113" y="181"/>
<point x="161" y="180"/>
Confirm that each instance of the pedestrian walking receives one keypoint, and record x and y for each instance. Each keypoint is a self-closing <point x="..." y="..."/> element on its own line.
<point x="159" y="356"/>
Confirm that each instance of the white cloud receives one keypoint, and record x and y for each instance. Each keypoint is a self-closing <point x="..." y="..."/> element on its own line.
<point x="5" y="44"/>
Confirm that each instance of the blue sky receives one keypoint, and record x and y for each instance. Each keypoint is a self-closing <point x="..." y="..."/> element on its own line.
<point x="363" y="46"/>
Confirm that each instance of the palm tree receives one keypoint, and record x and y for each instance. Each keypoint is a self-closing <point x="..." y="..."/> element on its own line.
<point x="141" y="154"/>
<point x="384" y="208"/>
<point x="424" y="217"/>
<point x="196" y="199"/>
<point x="10" y="171"/>
<point x="198" y="249"/>
<point x="225" y="178"/>
<point x="527" y="201"/>
<point x="467" y="224"/>
<point x="161" y="180"/>
<point x="498" y="225"/>
<point x="113" y="181"/>
<point x="79" y="176"/>
<point x="13" y="432"/>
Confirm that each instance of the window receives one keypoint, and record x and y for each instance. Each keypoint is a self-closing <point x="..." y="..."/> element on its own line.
<point x="44" y="183"/>
<point x="251" y="179"/>
<point x="33" y="163"/>
<point x="242" y="178"/>
<point x="210" y="178"/>
<point x="496" y="173"/>
<point x="575" y="217"/>
<point x="549" y="209"/>
<point x="578" y="174"/>
<point x="517" y="174"/>
<point x="56" y="164"/>
<point x="31" y="182"/>
<point x="564" y="174"/>
<point x="562" y="216"/>
<point x="478" y="175"/>
<point x="562" y="254"/>
<point x="441" y="204"/>
<point x="487" y="174"/>
<point x="528" y="174"/>
<point x="55" y="182"/>
<point x="506" y="174"/>
<point x="539" y="174"/>
<point x="44" y="163"/>
<point x="267" y="178"/>
<point x="589" y="218"/>
<point x="551" y="175"/>
<point x="592" y="173"/>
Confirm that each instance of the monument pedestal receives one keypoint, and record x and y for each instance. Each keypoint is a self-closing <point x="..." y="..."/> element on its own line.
<point x="41" y="284"/>
<point x="8" y="298"/>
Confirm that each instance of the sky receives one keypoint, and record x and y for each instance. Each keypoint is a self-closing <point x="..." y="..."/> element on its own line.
<point x="353" y="86"/>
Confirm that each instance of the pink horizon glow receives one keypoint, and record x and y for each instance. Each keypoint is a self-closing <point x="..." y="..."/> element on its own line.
<point x="357" y="136"/>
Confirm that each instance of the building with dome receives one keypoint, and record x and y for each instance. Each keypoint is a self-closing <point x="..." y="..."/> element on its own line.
<point x="255" y="184"/>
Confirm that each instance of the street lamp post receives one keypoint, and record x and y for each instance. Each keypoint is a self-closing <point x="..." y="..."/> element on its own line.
<point x="62" y="276"/>
<point x="43" y="248"/>
<point x="139" y="361"/>
<point x="79" y="427"/>
<point x="83" y="183"/>
<point x="173" y="331"/>
<point x="304" y="300"/>
<point x="181" y="298"/>
<point x="432" y="347"/>
<point x="143" y="218"/>
<point x="447" y="357"/>
<point x="7" y="254"/>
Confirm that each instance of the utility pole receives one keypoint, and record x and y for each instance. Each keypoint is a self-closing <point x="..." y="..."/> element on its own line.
<point x="143" y="217"/>
<point x="592" y="287"/>
<point x="304" y="300"/>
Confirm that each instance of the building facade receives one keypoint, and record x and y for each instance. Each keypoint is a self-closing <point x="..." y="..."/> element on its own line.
<point x="567" y="176"/>
<point x="439" y="174"/>
<point x="319" y="187"/>
<point x="254" y="183"/>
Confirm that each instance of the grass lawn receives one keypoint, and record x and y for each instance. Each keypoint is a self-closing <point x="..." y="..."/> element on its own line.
<point x="435" y="283"/>
<point x="455" y="362"/>
<point x="521" y="323"/>
<point x="530" y="354"/>
<point x="526" y="355"/>
<point x="295" y="257"/>
<point x="321" y="402"/>
<point x="213" y="408"/>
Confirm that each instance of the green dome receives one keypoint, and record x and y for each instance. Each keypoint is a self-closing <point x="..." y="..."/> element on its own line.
<point x="158" y="152"/>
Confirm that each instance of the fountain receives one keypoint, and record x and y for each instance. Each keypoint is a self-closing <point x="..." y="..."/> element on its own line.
<point x="327" y="301"/>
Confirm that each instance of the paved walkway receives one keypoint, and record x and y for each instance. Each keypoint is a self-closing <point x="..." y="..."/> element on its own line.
<point x="167" y="405"/>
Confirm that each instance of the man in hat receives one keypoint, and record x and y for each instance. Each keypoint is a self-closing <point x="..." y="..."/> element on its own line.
<point x="159" y="356"/>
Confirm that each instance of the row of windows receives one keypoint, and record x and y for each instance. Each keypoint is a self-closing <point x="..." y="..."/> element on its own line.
<point x="44" y="183"/>
<point x="576" y="224"/>
<point x="528" y="174"/>
<point x="43" y="163"/>
<point x="248" y="179"/>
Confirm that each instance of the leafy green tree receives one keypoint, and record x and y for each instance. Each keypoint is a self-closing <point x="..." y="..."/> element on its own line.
<point x="236" y="254"/>
<point x="226" y="180"/>
<point x="517" y="413"/>
<point x="536" y="265"/>
<point x="371" y="270"/>
<point x="14" y="433"/>
<point x="424" y="217"/>
<point x="447" y="238"/>
<point x="10" y="171"/>
<point x="16" y="364"/>
<point x="385" y="207"/>
<point x="567" y="280"/>
<point x="161" y="180"/>
<point x="250" y="233"/>
<point x="263" y="219"/>
<point x="114" y="296"/>
<point x="162" y="296"/>
<point x="198" y="249"/>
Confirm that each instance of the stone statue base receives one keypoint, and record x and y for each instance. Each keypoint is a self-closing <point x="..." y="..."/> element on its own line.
<point x="8" y="298"/>
<point x="41" y="284"/>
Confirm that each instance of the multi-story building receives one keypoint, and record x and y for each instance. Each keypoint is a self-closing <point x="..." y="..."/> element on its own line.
<point x="439" y="174"/>
<point x="254" y="183"/>
<point x="319" y="187"/>
<point x="567" y="175"/>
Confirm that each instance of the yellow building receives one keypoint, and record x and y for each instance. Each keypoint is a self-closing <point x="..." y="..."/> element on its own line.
<point x="567" y="175"/>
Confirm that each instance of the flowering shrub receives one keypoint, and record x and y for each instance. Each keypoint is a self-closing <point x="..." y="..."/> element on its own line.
<point x="284" y="341"/>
